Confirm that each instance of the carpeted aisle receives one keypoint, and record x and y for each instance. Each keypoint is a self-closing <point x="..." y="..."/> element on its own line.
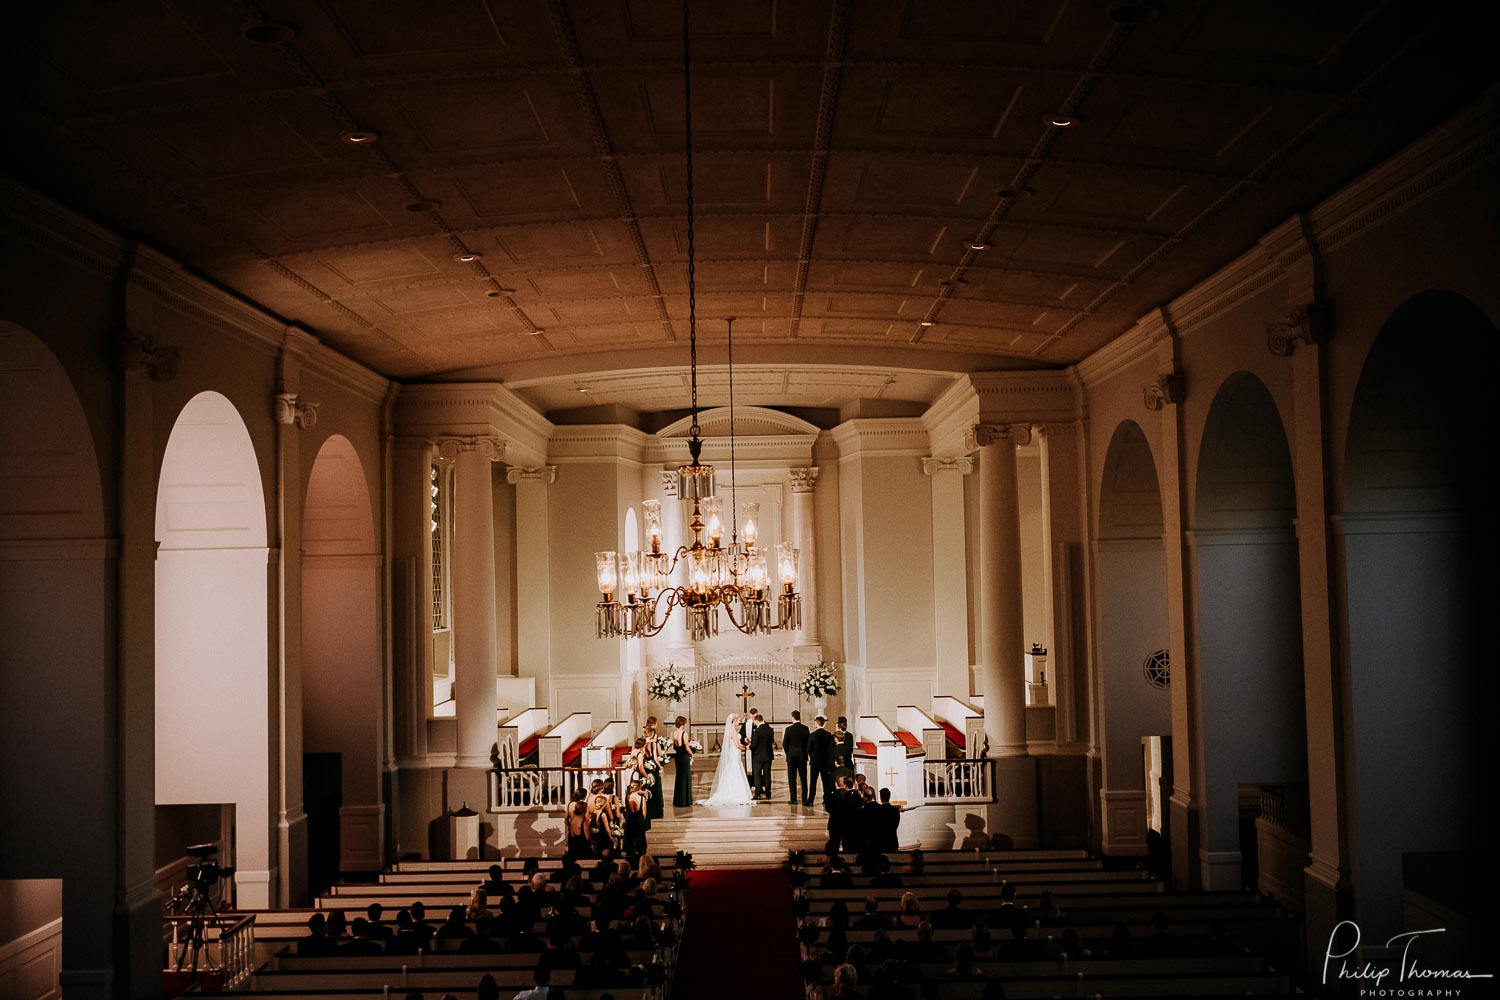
<point x="741" y="938"/>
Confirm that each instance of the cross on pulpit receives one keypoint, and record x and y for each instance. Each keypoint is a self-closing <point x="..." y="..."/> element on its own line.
<point x="746" y="694"/>
<point x="891" y="777"/>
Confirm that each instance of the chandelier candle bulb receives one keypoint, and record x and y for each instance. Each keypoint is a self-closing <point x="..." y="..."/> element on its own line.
<point x="712" y="509"/>
<point x="786" y="565"/>
<point x="750" y="530"/>
<point x="604" y="563"/>
<point x="630" y="562"/>
<point x="651" y="514"/>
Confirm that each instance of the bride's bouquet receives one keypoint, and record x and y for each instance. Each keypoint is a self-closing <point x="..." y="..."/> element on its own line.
<point x="667" y="684"/>
<point x="819" y="682"/>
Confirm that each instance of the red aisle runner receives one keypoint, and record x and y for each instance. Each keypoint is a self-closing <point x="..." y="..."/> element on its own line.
<point x="741" y="938"/>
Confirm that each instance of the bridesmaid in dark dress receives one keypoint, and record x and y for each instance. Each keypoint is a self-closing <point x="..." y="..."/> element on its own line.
<point x="682" y="756"/>
<point x="636" y="822"/>
<point x="656" y="793"/>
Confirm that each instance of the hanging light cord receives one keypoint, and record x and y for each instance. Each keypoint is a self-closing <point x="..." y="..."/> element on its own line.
<point x="687" y="115"/>
<point x="734" y="509"/>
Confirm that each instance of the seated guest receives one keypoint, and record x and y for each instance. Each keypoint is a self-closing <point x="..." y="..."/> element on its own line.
<point x="483" y="942"/>
<point x="1162" y="943"/>
<point x="924" y="948"/>
<point x="872" y="920"/>
<point x="406" y="926"/>
<point x="361" y="944"/>
<point x="523" y="940"/>
<point x="419" y="924"/>
<point x="886" y="879"/>
<point x="1050" y="913"/>
<point x="378" y="930"/>
<point x="838" y="914"/>
<point x="964" y="966"/>
<point x="1072" y="946"/>
<point x="488" y="989"/>
<point x="641" y="934"/>
<point x="336" y="924"/>
<point x="836" y="877"/>
<point x="454" y="928"/>
<point x="560" y="953"/>
<point x="881" y="948"/>
<point x="478" y="905"/>
<point x="317" y="942"/>
<point x="530" y="867"/>
<point x="837" y="946"/>
<point x="1021" y="948"/>
<point x="1121" y="943"/>
<point x="885" y="821"/>
<point x="600" y="973"/>
<point x="917" y="864"/>
<point x="404" y="942"/>
<point x="888" y="983"/>
<point x="981" y="940"/>
<point x="1008" y="914"/>
<point x="845" y="981"/>
<point x="911" y="911"/>
<point x="542" y="977"/>
<point x="496" y="885"/>
<point x="953" y="917"/>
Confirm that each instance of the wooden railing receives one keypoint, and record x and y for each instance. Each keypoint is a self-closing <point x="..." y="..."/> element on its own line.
<point x="522" y="789"/>
<point x="958" y="781"/>
<point x="228" y="946"/>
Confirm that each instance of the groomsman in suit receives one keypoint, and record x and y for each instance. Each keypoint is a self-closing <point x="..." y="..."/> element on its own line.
<point x="762" y="752"/>
<point x="747" y="729"/>
<point x="819" y="760"/>
<point x="794" y="743"/>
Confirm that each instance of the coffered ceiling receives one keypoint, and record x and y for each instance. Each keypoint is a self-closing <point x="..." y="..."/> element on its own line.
<point x="861" y="168"/>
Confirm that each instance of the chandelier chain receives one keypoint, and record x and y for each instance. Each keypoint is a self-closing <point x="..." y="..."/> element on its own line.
<point x="734" y="494"/>
<point x="687" y="117"/>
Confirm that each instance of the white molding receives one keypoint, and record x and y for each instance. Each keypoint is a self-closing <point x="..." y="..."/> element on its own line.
<point x="954" y="411"/>
<point x="882" y="437"/>
<point x="1123" y="820"/>
<point x="12" y="952"/>
<point x="1420" y="522"/>
<point x="166" y="279"/>
<point x="574" y="443"/>
<point x="1205" y="537"/>
<point x="58" y="549"/>
<point x="323" y="362"/>
<point x="785" y="422"/>
<point x="33" y="218"/>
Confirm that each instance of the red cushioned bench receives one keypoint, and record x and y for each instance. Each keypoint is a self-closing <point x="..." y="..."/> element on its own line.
<point x="865" y="747"/>
<point x="619" y="754"/>
<point x="912" y="743"/>
<point x="571" y="755"/>
<point x="527" y="747"/>
<point x="954" y="736"/>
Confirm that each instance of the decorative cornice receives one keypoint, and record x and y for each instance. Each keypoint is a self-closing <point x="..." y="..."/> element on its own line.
<point x="804" y="480"/>
<point x="1311" y="323"/>
<point x="322" y="361"/>
<point x="984" y="435"/>
<point x="544" y="474"/>
<point x="881" y="436"/>
<point x="1169" y="388"/>
<point x="293" y="411"/>
<point x="936" y="466"/>
<point x="139" y="351"/>
<point x="451" y="446"/>
<point x="1027" y="397"/>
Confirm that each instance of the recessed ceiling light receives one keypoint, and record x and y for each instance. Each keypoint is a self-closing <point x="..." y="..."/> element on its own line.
<point x="1063" y="121"/>
<point x="979" y="246"/>
<point x="268" y="32"/>
<point x="1133" y="13"/>
<point x="1013" y="193"/>
<point x="581" y="389"/>
<point x="422" y="205"/>
<point x="493" y="293"/>
<point x="360" y="136"/>
<point x="926" y="322"/>
<point x="537" y="333"/>
<point x="467" y="257"/>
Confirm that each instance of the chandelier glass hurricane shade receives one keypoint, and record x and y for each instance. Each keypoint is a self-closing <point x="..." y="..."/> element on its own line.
<point x="637" y="589"/>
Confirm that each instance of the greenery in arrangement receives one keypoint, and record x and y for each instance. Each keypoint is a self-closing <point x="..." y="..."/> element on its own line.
<point x="667" y="684"/>
<point x="819" y="682"/>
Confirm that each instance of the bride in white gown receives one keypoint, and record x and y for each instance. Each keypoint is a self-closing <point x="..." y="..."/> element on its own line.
<point x="731" y="787"/>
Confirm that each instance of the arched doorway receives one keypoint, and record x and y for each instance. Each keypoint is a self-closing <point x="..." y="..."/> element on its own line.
<point x="1132" y="608"/>
<point x="1247" y="685"/>
<point x="1415" y="557"/>
<point x="342" y="721"/>
<point x="212" y="682"/>
<point x="57" y="701"/>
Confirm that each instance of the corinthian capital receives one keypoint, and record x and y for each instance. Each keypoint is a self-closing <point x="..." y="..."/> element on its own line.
<point x="292" y="410"/>
<point x="804" y="480"/>
<point x="490" y="447"/>
<point x="984" y="435"/>
<point x="669" y="485"/>
<point x="534" y="474"/>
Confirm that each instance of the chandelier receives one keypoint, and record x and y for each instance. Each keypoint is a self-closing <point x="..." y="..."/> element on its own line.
<point x="637" y="590"/>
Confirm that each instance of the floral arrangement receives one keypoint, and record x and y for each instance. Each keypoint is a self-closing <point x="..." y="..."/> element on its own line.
<point x="695" y="746"/>
<point x="819" y="682"/>
<point x="667" y="684"/>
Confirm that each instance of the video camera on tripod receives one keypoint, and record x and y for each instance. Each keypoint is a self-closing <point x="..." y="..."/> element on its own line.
<point x="194" y="900"/>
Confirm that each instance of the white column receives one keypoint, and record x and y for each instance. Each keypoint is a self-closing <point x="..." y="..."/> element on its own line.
<point x="475" y="634"/>
<point x="950" y="592"/>
<point x="1001" y="642"/>
<point x="677" y="646"/>
<point x="534" y="568"/>
<point x="804" y="529"/>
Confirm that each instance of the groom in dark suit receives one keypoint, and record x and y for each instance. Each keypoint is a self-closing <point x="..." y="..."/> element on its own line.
<point x="819" y="760"/>
<point x="762" y="752"/>
<point x="794" y="743"/>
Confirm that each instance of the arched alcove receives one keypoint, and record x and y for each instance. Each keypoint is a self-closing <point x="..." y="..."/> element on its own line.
<point x="58" y="783"/>
<point x="1248" y="666"/>
<point x="1415" y="556"/>
<point x="342" y="721"/>
<point x="1132" y="614"/>
<point x="212" y="685"/>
